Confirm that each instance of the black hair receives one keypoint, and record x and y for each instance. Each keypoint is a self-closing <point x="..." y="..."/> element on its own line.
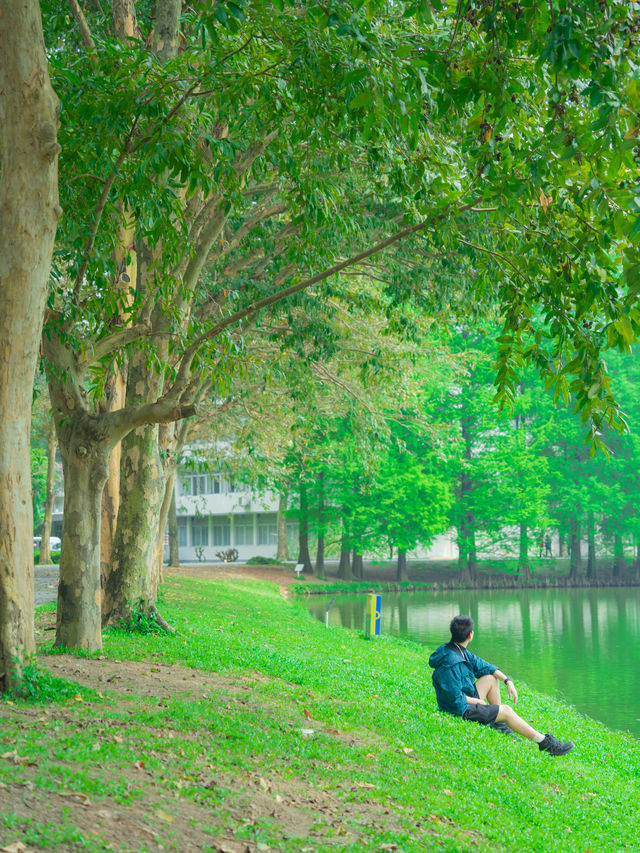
<point x="461" y="627"/>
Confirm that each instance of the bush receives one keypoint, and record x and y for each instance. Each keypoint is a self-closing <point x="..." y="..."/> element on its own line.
<point x="263" y="561"/>
<point x="55" y="556"/>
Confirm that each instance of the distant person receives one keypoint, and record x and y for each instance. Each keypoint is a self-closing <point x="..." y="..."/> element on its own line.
<point x="547" y="545"/>
<point x="540" y="546"/>
<point x="469" y="687"/>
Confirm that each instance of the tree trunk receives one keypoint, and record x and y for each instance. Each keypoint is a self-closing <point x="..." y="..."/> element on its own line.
<point x="303" y="537"/>
<point x="344" y="566"/>
<point x="130" y="583"/>
<point x="402" y="572"/>
<point x="174" y="549"/>
<point x="591" y="553"/>
<point x="45" y="550"/>
<point x="618" y="555"/>
<point x="523" y="557"/>
<point x="575" y="559"/>
<point x="116" y="391"/>
<point x="357" y="565"/>
<point x="320" y="556"/>
<point x="282" y="553"/>
<point x="467" y="559"/>
<point x="29" y="213"/>
<point x="320" y="525"/>
<point x="85" y="465"/>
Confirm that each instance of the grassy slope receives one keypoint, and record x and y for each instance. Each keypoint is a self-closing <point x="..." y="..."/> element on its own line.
<point x="446" y="785"/>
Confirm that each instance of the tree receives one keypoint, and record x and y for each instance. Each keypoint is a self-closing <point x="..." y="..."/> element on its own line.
<point x="247" y="186"/>
<point x="29" y="213"/>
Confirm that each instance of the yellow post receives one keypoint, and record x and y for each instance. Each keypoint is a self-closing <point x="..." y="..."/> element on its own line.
<point x="372" y="616"/>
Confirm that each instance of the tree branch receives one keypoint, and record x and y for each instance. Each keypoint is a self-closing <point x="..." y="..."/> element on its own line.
<point x="83" y="26"/>
<point x="102" y="202"/>
<point x="185" y="365"/>
<point x="111" y="343"/>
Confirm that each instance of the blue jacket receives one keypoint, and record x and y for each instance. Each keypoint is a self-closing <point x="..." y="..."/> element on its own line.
<point x="454" y="676"/>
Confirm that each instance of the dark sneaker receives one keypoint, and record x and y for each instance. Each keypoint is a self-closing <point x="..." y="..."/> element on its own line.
<point x="502" y="727"/>
<point x="554" y="746"/>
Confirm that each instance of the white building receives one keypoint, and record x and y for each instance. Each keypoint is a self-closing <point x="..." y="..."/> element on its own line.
<point x="215" y="515"/>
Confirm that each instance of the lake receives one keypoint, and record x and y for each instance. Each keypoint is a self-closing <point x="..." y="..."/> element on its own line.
<point x="580" y="644"/>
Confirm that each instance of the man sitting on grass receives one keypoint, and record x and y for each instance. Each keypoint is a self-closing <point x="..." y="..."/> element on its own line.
<point x="469" y="687"/>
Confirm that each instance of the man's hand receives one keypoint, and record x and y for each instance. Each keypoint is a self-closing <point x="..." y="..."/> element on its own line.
<point x="513" y="693"/>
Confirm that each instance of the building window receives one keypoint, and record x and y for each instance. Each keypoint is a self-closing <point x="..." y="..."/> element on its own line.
<point x="193" y="484"/>
<point x="267" y="528"/>
<point x="243" y="530"/>
<point x="182" y="532"/>
<point x="221" y="531"/>
<point x="199" y="531"/>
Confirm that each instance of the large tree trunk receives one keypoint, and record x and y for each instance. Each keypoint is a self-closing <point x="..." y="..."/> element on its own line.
<point x="29" y="213"/>
<point x="116" y="392"/>
<point x="85" y="462"/>
<point x="45" y="550"/>
<point x="282" y="553"/>
<point x="304" y="557"/>
<point x="402" y="572"/>
<point x="130" y="581"/>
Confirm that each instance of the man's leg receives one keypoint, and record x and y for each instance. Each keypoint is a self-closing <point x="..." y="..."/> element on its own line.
<point x="488" y="687"/>
<point x="507" y="715"/>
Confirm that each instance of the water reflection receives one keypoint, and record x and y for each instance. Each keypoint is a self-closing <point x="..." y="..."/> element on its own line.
<point x="582" y="644"/>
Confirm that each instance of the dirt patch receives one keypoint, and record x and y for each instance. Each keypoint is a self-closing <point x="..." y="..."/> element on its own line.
<point x="216" y="810"/>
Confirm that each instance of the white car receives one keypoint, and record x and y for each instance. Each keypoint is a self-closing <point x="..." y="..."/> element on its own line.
<point x="54" y="542"/>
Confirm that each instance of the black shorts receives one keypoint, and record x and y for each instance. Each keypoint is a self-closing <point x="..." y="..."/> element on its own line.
<point x="483" y="714"/>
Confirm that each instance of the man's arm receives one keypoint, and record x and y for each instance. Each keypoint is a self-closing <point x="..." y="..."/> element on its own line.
<point x="511" y="688"/>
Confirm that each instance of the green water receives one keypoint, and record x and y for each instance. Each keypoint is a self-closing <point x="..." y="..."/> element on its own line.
<point x="580" y="644"/>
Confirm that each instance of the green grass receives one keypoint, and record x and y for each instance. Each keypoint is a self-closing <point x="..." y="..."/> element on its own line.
<point x="373" y="712"/>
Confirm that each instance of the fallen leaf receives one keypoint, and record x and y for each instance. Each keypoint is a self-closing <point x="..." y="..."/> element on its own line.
<point x="365" y="785"/>
<point x="263" y="783"/>
<point x="433" y="817"/>
<point x="16" y="847"/>
<point x="117" y="739"/>
<point x="78" y="698"/>
<point x="448" y="792"/>
<point x="370" y="755"/>
<point x="95" y="746"/>
<point x="307" y="732"/>
<point x="307" y="714"/>
<point x="165" y="817"/>
<point x="407" y="750"/>
<point x="139" y="765"/>
<point x="75" y="795"/>
<point x="14" y="758"/>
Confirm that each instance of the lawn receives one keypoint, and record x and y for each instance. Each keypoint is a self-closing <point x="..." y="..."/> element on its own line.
<point x="255" y="728"/>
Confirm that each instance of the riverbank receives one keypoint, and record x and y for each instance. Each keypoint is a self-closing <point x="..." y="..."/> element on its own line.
<point x="255" y="728"/>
